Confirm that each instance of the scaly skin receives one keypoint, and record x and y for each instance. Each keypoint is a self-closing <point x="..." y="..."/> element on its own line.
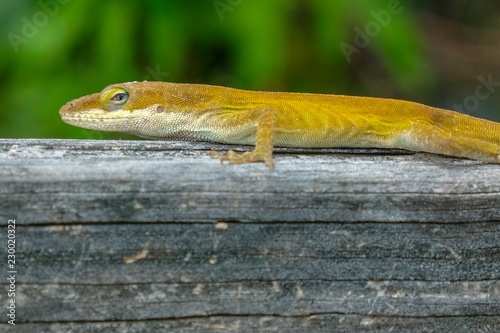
<point x="161" y="110"/>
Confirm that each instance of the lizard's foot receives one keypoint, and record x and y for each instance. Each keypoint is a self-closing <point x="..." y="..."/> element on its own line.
<point x="248" y="157"/>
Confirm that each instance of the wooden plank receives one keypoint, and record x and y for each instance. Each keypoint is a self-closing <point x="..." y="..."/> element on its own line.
<point x="319" y="323"/>
<point x="138" y="236"/>
<point x="228" y="273"/>
<point x="113" y="181"/>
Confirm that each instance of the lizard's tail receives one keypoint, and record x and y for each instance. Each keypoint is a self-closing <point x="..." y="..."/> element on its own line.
<point x="455" y="134"/>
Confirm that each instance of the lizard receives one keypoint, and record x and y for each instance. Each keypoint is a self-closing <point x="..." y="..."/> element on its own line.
<point x="198" y="112"/>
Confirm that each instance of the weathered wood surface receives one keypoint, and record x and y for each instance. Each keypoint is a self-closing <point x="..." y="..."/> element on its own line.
<point x="140" y="236"/>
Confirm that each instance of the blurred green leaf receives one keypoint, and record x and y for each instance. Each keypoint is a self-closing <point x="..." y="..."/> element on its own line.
<point x="80" y="47"/>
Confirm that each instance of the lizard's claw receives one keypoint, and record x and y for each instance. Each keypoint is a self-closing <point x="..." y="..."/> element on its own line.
<point x="248" y="157"/>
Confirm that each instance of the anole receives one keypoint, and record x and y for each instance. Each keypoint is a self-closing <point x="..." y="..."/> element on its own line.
<point x="161" y="110"/>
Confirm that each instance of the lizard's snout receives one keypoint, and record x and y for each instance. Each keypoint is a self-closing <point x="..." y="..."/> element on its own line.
<point x="81" y="104"/>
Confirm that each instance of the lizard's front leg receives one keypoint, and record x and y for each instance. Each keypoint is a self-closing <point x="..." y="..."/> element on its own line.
<point x="264" y="140"/>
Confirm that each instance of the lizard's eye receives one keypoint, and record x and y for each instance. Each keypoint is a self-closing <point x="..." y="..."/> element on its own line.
<point x="114" y="98"/>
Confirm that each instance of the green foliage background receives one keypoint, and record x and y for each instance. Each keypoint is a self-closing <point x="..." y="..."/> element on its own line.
<point x="289" y="45"/>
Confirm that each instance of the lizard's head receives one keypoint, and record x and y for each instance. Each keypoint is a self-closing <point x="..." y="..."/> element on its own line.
<point x="126" y="107"/>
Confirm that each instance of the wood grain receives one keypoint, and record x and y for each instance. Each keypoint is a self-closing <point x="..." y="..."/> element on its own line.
<point x="135" y="236"/>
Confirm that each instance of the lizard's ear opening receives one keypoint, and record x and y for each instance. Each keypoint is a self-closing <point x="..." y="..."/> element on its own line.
<point x="114" y="98"/>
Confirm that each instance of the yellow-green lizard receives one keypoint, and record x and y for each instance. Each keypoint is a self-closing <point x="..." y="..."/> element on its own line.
<point x="161" y="110"/>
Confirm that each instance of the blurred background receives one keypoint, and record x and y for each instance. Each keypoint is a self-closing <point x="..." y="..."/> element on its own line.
<point x="442" y="53"/>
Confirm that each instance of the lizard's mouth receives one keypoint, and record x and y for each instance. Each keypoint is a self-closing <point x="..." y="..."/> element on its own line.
<point x="87" y="112"/>
<point x="95" y="117"/>
<point x="99" y="121"/>
<point x="115" y="124"/>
